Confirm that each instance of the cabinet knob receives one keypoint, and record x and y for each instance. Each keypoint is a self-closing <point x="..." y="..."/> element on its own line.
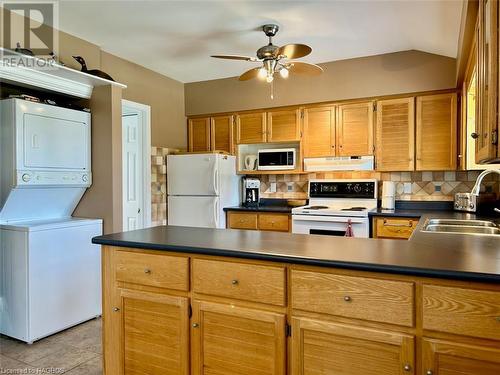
<point x="347" y="298"/>
<point x="429" y="372"/>
<point x="195" y="325"/>
<point x="474" y="135"/>
<point x="234" y="282"/>
<point x="147" y="271"/>
<point x="116" y="309"/>
<point x="407" y="367"/>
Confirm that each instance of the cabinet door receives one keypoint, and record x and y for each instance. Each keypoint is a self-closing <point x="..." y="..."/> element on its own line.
<point x="446" y="358"/>
<point x="234" y="340"/>
<point x="436" y="132"/>
<point x="355" y="129"/>
<point x="221" y="133"/>
<point x="486" y="127"/>
<point x="320" y="347"/>
<point x="199" y="134"/>
<point x="154" y="332"/>
<point x="251" y="128"/>
<point x="283" y="126"/>
<point x="319" y="132"/>
<point x="395" y="135"/>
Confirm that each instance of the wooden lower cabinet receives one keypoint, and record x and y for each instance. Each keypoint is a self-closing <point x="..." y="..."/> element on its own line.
<point x="321" y="347"/>
<point x="153" y="330"/>
<point x="394" y="227"/>
<point x="229" y="340"/>
<point x="270" y="221"/>
<point x="442" y="357"/>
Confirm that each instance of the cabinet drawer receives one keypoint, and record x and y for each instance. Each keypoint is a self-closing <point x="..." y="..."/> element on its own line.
<point x="377" y="300"/>
<point x="394" y="227"/>
<point x="462" y="311"/>
<point x="275" y="222"/>
<point x="152" y="270"/>
<point x="240" y="220"/>
<point x="264" y="284"/>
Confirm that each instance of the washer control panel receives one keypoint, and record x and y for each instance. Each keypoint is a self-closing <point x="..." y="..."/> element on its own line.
<point x="43" y="178"/>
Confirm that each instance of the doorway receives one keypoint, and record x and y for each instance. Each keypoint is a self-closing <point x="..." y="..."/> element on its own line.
<point x="136" y="165"/>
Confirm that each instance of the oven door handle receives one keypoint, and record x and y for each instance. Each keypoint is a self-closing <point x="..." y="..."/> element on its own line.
<point x="331" y="219"/>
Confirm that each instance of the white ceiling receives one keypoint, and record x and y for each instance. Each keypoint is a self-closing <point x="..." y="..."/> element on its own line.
<point x="176" y="38"/>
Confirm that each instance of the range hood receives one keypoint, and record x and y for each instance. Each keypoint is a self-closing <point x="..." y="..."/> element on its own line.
<point x="339" y="163"/>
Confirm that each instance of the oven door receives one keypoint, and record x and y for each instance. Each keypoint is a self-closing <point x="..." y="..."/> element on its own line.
<point x="329" y="225"/>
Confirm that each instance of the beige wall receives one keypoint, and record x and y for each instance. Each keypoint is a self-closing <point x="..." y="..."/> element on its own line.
<point x="163" y="94"/>
<point x="394" y="73"/>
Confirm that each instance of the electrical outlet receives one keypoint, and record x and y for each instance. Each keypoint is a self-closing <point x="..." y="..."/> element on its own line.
<point x="407" y="188"/>
<point x="289" y="186"/>
<point x="272" y="187"/>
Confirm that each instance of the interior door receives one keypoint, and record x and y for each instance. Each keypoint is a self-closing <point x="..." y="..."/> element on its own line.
<point x="55" y="143"/>
<point x="395" y="135"/>
<point x="233" y="340"/>
<point x="132" y="173"/>
<point x="319" y="132"/>
<point x="154" y="329"/>
<point x="194" y="174"/>
<point x="355" y="129"/>
<point x="442" y="357"/>
<point x="199" y="134"/>
<point x="194" y="211"/>
<point x="320" y="347"/>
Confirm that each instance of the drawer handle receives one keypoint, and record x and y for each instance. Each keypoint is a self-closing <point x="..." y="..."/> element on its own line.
<point x="407" y="367"/>
<point x="195" y="325"/>
<point x="387" y="224"/>
<point x="147" y="271"/>
<point x="235" y="282"/>
<point x="116" y="309"/>
<point x="347" y="298"/>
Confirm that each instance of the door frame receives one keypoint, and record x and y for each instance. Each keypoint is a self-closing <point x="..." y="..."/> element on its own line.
<point x="144" y="113"/>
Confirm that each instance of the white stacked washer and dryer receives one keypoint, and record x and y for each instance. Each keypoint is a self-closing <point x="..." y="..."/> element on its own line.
<point x="50" y="273"/>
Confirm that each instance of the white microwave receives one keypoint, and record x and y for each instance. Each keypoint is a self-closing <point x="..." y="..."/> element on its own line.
<point x="278" y="159"/>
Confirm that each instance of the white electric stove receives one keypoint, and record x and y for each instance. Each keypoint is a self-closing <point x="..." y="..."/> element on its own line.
<point x="333" y="204"/>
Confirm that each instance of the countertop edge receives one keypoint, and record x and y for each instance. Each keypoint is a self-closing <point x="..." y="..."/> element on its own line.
<point x="369" y="267"/>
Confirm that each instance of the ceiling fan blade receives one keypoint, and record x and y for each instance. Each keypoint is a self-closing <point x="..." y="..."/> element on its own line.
<point x="294" y="51"/>
<point x="235" y="57"/>
<point x="304" y="68"/>
<point x="249" y="74"/>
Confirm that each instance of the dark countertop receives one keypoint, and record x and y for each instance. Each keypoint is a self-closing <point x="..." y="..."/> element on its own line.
<point x="266" y="205"/>
<point x="455" y="256"/>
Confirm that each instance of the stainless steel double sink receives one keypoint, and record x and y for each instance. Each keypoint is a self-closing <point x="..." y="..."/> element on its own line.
<point x="480" y="227"/>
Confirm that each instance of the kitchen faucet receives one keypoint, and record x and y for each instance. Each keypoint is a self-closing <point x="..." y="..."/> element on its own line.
<point x="468" y="201"/>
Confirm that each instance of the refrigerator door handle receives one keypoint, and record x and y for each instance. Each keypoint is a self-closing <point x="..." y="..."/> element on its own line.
<point x="216" y="212"/>
<point x="216" y="178"/>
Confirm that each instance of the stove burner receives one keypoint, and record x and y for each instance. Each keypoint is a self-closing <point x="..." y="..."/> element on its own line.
<point x="317" y="207"/>
<point x="354" y="209"/>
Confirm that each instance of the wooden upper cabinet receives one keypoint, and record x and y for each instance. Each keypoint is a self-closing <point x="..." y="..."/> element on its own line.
<point x="320" y="347"/>
<point x="232" y="340"/>
<point x="436" y="143"/>
<point x="154" y="330"/>
<point x="251" y="128"/>
<point x="283" y="125"/>
<point x="221" y="134"/>
<point x="319" y="132"/>
<point x="355" y="129"/>
<point x="443" y="357"/>
<point x="487" y="123"/>
<point x="395" y="135"/>
<point x="199" y="134"/>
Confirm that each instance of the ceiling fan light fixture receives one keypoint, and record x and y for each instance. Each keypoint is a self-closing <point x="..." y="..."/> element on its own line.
<point x="262" y="74"/>
<point x="269" y="78"/>
<point x="284" y="72"/>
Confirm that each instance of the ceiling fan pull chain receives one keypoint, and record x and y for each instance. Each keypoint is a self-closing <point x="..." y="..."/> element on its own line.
<point x="272" y="90"/>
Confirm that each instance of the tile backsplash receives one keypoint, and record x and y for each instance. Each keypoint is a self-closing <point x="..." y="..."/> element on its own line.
<point x="424" y="186"/>
<point x="159" y="185"/>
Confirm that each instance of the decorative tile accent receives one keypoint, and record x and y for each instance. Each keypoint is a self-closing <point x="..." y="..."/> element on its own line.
<point x="159" y="185"/>
<point x="432" y="186"/>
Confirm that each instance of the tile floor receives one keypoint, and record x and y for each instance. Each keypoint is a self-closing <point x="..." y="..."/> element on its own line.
<point x="76" y="351"/>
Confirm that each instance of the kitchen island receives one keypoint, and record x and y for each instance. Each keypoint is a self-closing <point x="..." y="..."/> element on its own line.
<point x="191" y="300"/>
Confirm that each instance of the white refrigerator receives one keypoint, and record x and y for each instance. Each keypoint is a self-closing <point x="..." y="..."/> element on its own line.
<point x="199" y="187"/>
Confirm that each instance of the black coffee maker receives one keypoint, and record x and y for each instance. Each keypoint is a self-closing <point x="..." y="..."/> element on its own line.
<point x="251" y="189"/>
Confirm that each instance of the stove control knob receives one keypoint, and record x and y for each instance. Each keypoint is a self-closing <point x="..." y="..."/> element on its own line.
<point x="357" y="188"/>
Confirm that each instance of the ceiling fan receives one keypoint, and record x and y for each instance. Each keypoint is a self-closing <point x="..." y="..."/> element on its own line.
<point x="276" y="59"/>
